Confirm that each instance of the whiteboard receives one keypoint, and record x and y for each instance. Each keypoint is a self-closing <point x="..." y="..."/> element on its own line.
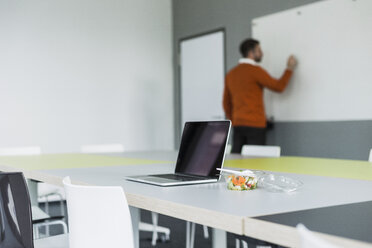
<point x="333" y="43"/>
<point x="202" y="77"/>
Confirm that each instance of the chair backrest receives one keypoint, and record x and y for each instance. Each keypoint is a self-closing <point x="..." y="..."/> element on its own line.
<point x="14" y="151"/>
<point x="370" y="156"/>
<point x="102" y="148"/>
<point x="309" y="240"/>
<point x="15" y="212"/>
<point x="98" y="216"/>
<point x="261" y="151"/>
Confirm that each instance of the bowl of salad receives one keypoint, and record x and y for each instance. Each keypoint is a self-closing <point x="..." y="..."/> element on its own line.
<point x="240" y="180"/>
<point x="241" y="183"/>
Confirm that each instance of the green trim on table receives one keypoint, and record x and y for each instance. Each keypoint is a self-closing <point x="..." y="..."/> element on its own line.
<point x="63" y="161"/>
<point x="351" y="169"/>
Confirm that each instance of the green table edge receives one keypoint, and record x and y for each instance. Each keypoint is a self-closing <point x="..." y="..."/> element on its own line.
<point x="339" y="168"/>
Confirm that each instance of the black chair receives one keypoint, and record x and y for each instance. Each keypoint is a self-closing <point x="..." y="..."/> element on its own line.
<point x="15" y="212"/>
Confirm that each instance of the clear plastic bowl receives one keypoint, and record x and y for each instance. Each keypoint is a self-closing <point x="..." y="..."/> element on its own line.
<point x="276" y="183"/>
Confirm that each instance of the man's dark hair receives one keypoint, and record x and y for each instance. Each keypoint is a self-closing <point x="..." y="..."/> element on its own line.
<point x="247" y="46"/>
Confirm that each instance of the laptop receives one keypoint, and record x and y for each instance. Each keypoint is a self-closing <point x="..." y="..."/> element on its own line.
<point x="202" y="151"/>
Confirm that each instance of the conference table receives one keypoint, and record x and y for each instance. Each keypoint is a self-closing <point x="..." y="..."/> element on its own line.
<point x="335" y="200"/>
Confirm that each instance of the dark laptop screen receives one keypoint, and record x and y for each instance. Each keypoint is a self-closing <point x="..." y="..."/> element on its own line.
<point x="203" y="148"/>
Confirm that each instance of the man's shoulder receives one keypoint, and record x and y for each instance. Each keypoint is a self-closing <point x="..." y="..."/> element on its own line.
<point x="241" y="68"/>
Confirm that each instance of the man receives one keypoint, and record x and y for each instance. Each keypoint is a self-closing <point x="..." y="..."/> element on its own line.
<point x="243" y="95"/>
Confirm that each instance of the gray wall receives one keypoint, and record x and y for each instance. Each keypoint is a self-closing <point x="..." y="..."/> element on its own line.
<point x="349" y="139"/>
<point x="336" y="139"/>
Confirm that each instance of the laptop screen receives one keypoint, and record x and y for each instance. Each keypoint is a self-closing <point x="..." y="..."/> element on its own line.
<point x="202" y="148"/>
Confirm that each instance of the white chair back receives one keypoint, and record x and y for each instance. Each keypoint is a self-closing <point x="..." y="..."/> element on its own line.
<point x="102" y="148"/>
<point x="98" y="216"/>
<point x="16" y="151"/>
<point x="261" y="151"/>
<point x="309" y="240"/>
<point x="370" y="156"/>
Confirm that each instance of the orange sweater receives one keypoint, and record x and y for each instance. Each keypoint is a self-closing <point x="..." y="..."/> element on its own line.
<point x="243" y="94"/>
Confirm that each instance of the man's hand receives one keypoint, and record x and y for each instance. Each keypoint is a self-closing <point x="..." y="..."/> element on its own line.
<point x="292" y="62"/>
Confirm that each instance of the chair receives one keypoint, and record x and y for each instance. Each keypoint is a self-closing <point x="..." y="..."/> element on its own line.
<point x="309" y="240"/>
<point x="14" y="151"/>
<point x="190" y="234"/>
<point x="15" y="212"/>
<point x="261" y="151"/>
<point x="118" y="148"/>
<point x="48" y="193"/>
<point x="370" y="156"/>
<point x="40" y="218"/>
<point x="98" y="216"/>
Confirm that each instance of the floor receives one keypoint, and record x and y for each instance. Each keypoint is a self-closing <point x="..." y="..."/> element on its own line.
<point x="178" y="232"/>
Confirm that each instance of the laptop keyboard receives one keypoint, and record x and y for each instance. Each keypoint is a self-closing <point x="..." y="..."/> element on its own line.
<point x="178" y="177"/>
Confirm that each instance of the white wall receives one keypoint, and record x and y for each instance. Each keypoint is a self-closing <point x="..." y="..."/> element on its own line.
<point x="74" y="72"/>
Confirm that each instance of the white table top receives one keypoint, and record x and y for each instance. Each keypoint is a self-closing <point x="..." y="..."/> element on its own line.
<point x="316" y="192"/>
